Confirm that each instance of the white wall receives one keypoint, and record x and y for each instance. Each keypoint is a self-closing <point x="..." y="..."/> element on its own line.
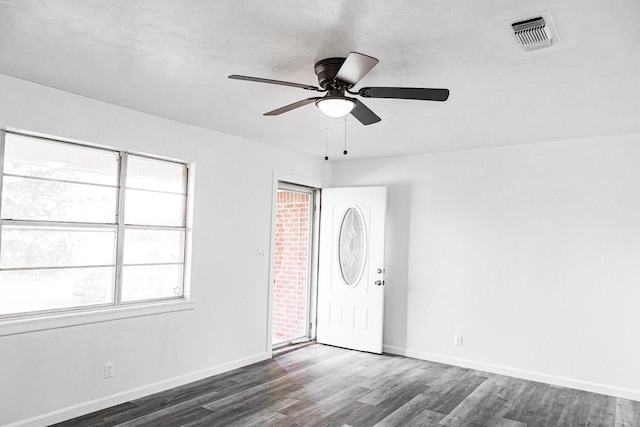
<point x="531" y="252"/>
<point x="60" y="372"/>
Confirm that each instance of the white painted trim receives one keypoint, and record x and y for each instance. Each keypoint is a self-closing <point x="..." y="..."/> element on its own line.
<point x="277" y="178"/>
<point x="188" y="243"/>
<point x="518" y="373"/>
<point x="22" y="325"/>
<point x="296" y="179"/>
<point x="136" y="393"/>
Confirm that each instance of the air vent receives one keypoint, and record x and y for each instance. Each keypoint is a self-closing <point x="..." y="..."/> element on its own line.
<point x="532" y="33"/>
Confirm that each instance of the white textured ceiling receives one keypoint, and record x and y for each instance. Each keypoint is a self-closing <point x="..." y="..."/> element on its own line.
<point x="172" y="59"/>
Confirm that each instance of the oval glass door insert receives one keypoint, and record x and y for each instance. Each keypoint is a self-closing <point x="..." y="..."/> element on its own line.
<point x="352" y="247"/>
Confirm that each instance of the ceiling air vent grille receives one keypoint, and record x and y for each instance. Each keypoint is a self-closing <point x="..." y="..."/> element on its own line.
<point x="532" y="33"/>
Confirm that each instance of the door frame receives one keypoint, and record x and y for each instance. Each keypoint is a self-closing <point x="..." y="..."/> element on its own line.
<point x="315" y="186"/>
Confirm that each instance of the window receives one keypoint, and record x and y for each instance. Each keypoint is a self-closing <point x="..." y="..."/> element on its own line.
<point x="83" y="226"/>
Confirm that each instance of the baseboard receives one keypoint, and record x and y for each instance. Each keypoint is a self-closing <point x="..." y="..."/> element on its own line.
<point x="517" y="373"/>
<point x="126" y="396"/>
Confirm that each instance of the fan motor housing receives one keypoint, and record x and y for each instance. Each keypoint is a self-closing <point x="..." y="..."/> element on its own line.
<point x="326" y="70"/>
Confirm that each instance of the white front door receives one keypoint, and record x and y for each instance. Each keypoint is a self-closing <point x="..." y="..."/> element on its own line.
<point x="351" y="268"/>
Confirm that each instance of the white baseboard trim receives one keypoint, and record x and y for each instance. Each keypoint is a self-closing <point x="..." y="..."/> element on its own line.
<point x="517" y="373"/>
<point x="128" y="395"/>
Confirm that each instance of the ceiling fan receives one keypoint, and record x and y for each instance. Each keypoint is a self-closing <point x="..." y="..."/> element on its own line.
<point x="336" y="77"/>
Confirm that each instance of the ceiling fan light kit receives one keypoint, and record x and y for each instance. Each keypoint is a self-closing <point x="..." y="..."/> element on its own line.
<point x="335" y="106"/>
<point x="337" y="76"/>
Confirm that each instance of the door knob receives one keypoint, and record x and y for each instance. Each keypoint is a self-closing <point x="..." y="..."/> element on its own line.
<point x="379" y="283"/>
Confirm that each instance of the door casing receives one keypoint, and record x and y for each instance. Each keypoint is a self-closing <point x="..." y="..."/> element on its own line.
<point x="313" y="187"/>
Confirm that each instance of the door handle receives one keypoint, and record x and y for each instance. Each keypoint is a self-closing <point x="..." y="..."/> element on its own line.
<point x="379" y="283"/>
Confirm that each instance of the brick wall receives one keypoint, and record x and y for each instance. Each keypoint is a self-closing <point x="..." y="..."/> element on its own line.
<point x="291" y="265"/>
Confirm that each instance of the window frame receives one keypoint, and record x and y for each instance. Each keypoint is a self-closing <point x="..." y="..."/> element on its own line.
<point x="16" y="323"/>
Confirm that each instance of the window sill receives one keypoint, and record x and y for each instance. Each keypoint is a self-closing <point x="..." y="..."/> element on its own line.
<point x="69" y="319"/>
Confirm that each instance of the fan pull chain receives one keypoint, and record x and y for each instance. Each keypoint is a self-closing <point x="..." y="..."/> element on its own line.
<point x="345" y="136"/>
<point x="326" y="143"/>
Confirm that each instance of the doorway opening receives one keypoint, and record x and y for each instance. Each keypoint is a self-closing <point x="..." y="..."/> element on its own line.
<point x="292" y="311"/>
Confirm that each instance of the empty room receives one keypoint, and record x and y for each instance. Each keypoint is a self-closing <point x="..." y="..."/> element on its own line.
<point x="319" y="213"/>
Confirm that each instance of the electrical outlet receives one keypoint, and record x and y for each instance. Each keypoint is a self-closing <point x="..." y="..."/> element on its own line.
<point x="108" y="370"/>
<point x="458" y="340"/>
<point x="262" y="255"/>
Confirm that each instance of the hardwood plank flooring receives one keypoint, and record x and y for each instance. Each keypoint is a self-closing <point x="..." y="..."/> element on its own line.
<point x="327" y="386"/>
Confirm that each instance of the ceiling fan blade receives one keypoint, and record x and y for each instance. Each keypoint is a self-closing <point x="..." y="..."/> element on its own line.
<point x="273" y="82"/>
<point x="291" y="107"/>
<point x="364" y="114"/>
<point x="420" y="93"/>
<point x="355" y="67"/>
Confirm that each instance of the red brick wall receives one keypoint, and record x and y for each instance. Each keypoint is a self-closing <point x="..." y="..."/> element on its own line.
<point x="291" y="265"/>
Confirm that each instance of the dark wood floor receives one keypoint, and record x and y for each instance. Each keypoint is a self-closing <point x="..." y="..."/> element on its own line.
<point x="326" y="386"/>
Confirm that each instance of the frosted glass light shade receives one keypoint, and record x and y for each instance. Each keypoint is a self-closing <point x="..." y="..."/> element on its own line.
<point x="352" y="248"/>
<point x="335" y="106"/>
